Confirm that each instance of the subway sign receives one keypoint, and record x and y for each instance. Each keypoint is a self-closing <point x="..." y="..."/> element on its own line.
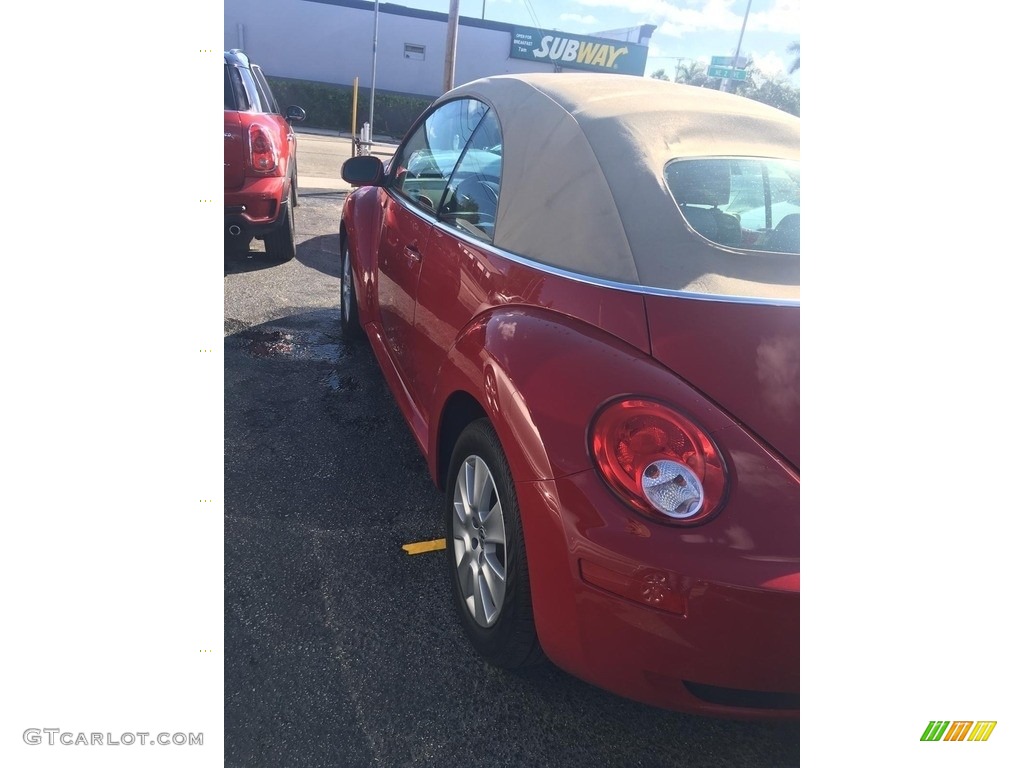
<point x="578" y="51"/>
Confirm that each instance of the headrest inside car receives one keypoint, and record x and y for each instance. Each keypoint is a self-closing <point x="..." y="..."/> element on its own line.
<point x="699" y="182"/>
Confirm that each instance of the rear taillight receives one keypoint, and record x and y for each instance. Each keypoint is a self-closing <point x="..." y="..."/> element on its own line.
<point x="658" y="461"/>
<point x="262" y="152"/>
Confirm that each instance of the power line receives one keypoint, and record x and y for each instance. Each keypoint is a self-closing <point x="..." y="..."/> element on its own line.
<point x="529" y="8"/>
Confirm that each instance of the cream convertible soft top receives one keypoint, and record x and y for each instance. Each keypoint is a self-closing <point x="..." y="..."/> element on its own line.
<point x="583" y="186"/>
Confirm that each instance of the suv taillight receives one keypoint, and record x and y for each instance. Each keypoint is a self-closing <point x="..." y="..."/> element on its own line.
<point x="262" y="152"/>
<point x="658" y="461"/>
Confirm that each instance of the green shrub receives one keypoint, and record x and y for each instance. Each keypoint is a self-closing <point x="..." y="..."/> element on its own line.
<point x="329" y="106"/>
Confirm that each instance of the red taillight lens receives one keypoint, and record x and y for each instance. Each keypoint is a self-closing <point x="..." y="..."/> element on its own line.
<point x="658" y="461"/>
<point x="262" y="152"/>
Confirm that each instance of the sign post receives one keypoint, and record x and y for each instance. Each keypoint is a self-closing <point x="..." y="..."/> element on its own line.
<point x="355" y="101"/>
<point x="450" y="43"/>
<point x="739" y="45"/>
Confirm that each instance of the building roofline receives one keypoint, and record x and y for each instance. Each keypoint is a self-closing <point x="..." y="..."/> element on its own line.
<point x="416" y="13"/>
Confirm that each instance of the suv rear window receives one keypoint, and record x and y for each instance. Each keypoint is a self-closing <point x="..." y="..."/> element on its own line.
<point x="740" y="202"/>
<point x="247" y="90"/>
<point x="234" y="91"/>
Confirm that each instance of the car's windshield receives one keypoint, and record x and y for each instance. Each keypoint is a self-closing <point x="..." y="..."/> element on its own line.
<point x="740" y="202"/>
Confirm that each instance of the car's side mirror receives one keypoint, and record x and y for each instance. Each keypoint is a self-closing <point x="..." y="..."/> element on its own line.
<point x="298" y="114"/>
<point x="363" y="171"/>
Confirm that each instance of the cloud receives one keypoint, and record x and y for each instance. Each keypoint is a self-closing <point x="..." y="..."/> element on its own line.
<point x="579" y="18"/>
<point x="706" y="15"/>
<point x="671" y="29"/>
<point x="770" y="63"/>
<point x="783" y="17"/>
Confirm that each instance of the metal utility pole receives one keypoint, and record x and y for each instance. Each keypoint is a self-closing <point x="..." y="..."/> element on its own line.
<point x="373" y="72"/>
<point x="483" y="12"/>
<point x="355" y="103"/>
<point x="449" y="54"/>
<point x="735" y="58"/>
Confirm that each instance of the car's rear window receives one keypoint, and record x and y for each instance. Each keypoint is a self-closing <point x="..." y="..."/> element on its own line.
<point x="740" y="202"/>
<point x="234" y="91"/>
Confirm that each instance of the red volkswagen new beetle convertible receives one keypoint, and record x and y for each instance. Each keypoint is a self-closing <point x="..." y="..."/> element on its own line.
<point x="583" y="291"/>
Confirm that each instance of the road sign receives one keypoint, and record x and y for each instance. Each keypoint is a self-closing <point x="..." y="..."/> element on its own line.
<point x="726" y="61"/>
<point x="728" y="73"/>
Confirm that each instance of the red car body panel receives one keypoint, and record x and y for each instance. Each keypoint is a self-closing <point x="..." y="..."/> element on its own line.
<point x="690" y="622"/>
<point x="745" y="357"/>
<point x="262" y="200"/>
<point x="234" y="151"/>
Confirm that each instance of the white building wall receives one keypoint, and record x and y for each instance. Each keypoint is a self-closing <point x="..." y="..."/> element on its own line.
<point x="334" y="44"/>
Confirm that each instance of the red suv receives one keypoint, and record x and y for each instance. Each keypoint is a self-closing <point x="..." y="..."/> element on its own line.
<point x="260" y="172"/>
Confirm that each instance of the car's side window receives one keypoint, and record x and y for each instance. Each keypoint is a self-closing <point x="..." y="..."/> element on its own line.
<point x="742" y="202"/>
<point x="267" y="95"/>
<point x="423" y="165"/>
<point x="470" y="202"/>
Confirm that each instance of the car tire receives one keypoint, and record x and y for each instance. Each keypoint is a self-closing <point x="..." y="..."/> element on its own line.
<point x="351" y="330"/>
<point x="280" y="243"/>
<point x="486" y="552"/>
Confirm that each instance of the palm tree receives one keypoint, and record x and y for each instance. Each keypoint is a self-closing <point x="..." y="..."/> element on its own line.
<point x="693" y="73"/>
<point x="794" y="48"/>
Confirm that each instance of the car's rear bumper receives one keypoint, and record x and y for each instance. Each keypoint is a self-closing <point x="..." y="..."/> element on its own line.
<point x="660" y="614"/>
<point x="256" y="208"/>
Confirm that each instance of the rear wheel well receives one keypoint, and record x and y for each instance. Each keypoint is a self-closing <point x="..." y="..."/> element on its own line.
<point x="461" y="410"/>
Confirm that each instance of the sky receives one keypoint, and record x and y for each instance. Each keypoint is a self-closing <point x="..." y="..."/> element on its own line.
<point x="687" y="29"/>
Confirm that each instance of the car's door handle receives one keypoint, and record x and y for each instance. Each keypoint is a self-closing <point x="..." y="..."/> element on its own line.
<point x="412" y="254"/>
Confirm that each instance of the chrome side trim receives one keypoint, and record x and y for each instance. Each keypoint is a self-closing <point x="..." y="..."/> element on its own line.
<point x="580" y="278"/>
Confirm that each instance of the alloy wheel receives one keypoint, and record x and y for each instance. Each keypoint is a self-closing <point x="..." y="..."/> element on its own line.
<point x="479" y="541"/>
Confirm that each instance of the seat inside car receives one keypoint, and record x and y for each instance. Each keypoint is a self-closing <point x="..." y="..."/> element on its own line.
<point x="786" y="235"/>
<point x="701" y="186"/>
<point x="474" y="201"/>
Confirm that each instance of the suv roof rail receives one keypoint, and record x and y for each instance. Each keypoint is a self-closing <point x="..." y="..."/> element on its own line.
<point x="237" y="55"/>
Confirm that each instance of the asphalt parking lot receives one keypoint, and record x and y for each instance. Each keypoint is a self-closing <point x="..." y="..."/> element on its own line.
<point x="340" y="648"/>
